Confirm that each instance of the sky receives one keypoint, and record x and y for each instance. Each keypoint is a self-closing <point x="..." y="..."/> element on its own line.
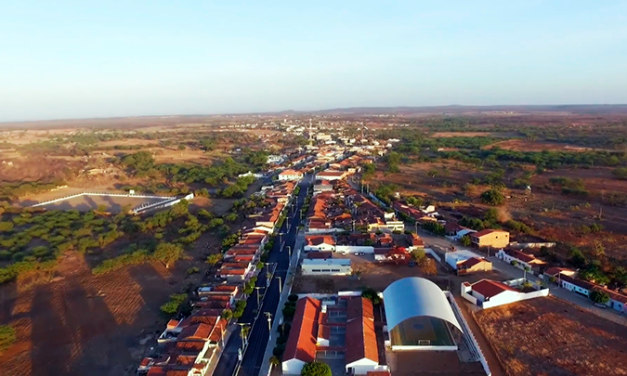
<point x="83" y="59"/>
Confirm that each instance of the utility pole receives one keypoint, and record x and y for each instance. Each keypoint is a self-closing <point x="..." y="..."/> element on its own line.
<point x="289" y="250"/>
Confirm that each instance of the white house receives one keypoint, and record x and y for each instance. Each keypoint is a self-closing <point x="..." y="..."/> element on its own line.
<point x="314" y="243"/>
<point x="290" y="175"/>
<point x="521" y="259"/>
<point x="328" y="266"/>
<point x="276" y="159"/>
<point x="488" y="293"/>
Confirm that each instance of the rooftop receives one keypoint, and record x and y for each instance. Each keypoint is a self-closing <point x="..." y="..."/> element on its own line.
<point x="489" y="288"/>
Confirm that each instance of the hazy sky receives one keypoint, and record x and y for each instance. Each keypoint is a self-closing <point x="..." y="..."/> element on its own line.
<point x="73" y="59"/>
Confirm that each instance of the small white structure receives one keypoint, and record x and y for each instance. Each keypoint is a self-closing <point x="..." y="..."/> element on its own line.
<point x="319" y="243"/>
<point x="488" y="293"/>
<point x="328" y="266"/>
<point x="453" y="258"/>
<point x="290" y="175"/>
<point x="276" y="159"/>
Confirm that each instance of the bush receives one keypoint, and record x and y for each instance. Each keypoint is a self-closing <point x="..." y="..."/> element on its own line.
<point x="600" y="297"/>
<point x="316" y="369"/>
<point x="192" y="270"/>
<point x="174" y="304"/>
<point x="492" y="197"/>
<point x="289" y="309"/>
<point x="7" y="337"/>
<point x="292" y="298"/>
<point x="371" y="295"/>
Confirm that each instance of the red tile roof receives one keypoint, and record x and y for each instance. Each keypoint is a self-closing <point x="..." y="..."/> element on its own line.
<point x="361" y="339"/>
<point x="200" y="331"/>
<point x="489" y="288"/>
<point x="317" y="240"/>
<point x="556" y="270"/>
<point x="301" y="343"/>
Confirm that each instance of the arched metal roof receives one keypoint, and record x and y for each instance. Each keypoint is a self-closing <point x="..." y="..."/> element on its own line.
<point x="412" y="297"/>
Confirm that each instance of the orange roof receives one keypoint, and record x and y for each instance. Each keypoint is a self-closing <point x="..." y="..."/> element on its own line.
<point x="200" y="331"/>
<point x="360" y="334"/>
<point x="290" y="173"/>
<point x="489" y="288"/>
<point x="555" y="270"/>
<point x="301" y="343"/>
<point x="378" y="373"/>
<point x="229" y="288"/>
<point x="317" y="240"/>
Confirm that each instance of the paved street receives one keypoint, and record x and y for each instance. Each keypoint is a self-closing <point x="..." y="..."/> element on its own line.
<point x="258" y="339"/>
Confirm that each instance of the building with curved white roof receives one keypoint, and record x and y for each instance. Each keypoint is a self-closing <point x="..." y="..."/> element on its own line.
<point x="419" y="316"/>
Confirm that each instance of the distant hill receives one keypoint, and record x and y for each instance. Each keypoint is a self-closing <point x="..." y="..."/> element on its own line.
<point x="458" y="109"/>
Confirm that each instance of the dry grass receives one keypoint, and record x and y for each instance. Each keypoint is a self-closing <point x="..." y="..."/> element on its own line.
<point x="528" y="145"/>
<point x="546" y="336"/>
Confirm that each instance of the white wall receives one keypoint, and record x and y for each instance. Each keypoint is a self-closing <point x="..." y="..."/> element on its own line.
<point x="292" y="366"/>
<point x="354" y="249"/>
<point x="319" y="247"/>
<point x="571" y="287"/>
<point x="363" y="366"/>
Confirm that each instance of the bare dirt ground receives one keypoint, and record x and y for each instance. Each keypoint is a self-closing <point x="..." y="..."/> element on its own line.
<point x="81" y="324"/>
<point x="546" y="336"/>
<point x="529" y="145"/>
<point x="473" y="134"/>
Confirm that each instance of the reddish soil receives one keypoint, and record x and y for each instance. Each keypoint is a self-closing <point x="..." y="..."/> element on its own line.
<point x="529" y="145"/>
<point x="546" y="336"/>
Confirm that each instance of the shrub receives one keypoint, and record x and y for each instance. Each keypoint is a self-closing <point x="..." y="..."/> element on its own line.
<point x="316" y="369"/>
<point x="492" y="197"/>
<point x="192" y="270"/>
<point x="371" y="295"/>
<point x="600" y="297"/>
<point x="7" y="337"/>
<point x="174" y="304"/>
<point x="292" y="298"/>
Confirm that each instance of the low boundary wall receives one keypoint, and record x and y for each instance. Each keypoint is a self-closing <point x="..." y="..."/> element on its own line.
<point x="99" y="194"/>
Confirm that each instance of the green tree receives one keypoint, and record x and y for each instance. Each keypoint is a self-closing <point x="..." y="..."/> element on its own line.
<point x="181" y="147"/>
<point x="492" y="197"/>
<point x="168" y="253"/>
<point x="6" y="226"/>
<point x="418" y="255"/>
<point x="214" y="259"/>
<point x="227" y="314"/>
<point x="274" y="361"/>
<point x="7" y="337"/>
<point x="371" y="295"/>
<point x="316" y="369"/>
<point x="465" y="240"/>
<point x="600" y="297"/>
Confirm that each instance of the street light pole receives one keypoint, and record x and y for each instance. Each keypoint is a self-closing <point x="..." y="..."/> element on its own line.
<point x="258" y="288"/>
<point x="269" y="316"/>
<point x="280" y="286"/>
<point x="289" y="250"/>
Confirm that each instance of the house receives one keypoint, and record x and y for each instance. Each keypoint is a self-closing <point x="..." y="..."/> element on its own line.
<point x="575" y="285"/>
<point x="488" y="293"/>
<point x="362" y="354"/>
<point x="455" y="232"/>
<point x="319" y="243"/>
<point x="328" y="266"/>
<point x="520" y="259"/>
<point x="555" y="271"/>
<point x="300" y="348"/>
<point x="617" y="302"/>
<point x="415" y="242"/>
<point x="490" y="238"/>
<point x="473" y="265"/>
<point x="290" y="175"/>
<point x="331" y="175"/>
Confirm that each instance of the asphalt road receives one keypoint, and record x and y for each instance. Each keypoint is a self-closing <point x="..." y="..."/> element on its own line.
<point x="258" y="339"/>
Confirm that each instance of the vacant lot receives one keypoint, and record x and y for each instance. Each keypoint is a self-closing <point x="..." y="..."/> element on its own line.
<point x="529" y="145"/>
<point x="546" y="336"/>
<point x="81" y="324"/>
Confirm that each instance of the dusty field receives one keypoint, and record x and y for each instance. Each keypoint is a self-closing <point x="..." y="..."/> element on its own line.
<point x="597" y="180"/>
<point x="546" y="336"/>
<point x="529" y="145"/>
<point x="80" y="324"/>
<point x="473" y="134"/>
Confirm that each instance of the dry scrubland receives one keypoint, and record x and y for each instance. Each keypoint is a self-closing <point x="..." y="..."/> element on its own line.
<point x="547" y="336"/>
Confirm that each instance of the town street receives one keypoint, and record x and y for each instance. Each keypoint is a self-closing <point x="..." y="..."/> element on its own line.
<point x="258" y="336"/>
